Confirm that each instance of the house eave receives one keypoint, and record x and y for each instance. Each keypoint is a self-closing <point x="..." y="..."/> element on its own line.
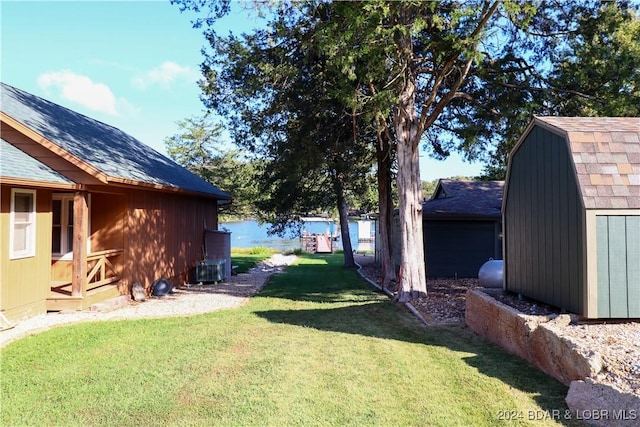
<point x="52" y="147"/>
<point x="21" y="182"/>
<point x="461" y="217"/>
<point x="128" y="183"/>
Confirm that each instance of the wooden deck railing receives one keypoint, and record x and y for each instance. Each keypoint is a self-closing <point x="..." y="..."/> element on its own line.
<point x="101" y="269"/>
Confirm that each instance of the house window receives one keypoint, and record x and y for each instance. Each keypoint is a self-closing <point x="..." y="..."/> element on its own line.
<point x="22" y="239"/>
<point x="62" y="226"/>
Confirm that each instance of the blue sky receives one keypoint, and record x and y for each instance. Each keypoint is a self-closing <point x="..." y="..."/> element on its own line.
<point x="131" y="64"/>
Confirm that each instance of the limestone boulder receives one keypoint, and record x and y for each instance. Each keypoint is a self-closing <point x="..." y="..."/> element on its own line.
<point x="602" y="405"/>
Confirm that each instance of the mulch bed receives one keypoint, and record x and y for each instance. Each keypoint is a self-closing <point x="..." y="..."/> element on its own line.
<point x="445" y="302"/>
<point x="446" y="297"/>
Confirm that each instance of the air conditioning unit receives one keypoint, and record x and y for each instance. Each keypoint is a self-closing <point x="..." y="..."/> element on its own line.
<point x="210" y="270"/>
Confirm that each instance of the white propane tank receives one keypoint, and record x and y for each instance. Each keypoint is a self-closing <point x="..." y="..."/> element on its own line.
<point x="490" y="274"/>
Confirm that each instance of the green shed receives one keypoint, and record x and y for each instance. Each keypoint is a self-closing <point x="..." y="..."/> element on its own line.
<point x="571" y="215"/>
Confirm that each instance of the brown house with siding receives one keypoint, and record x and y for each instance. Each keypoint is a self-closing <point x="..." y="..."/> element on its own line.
<point x="571" y="215"/>
<point x="86" y="210"/>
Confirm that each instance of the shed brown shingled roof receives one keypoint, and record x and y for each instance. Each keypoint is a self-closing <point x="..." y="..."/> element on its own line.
<point x="606" y="154"/>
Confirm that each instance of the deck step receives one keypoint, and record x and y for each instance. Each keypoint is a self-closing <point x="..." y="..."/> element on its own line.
<point x="61" y="301"/>
<point x="110" y="304"/>
<point x="64" y="303"/>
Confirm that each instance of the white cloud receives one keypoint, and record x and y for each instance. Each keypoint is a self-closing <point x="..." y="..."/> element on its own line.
<point x="81" y="90"/>
<point x="164" y="75"/>
<point x="127" y="109"/>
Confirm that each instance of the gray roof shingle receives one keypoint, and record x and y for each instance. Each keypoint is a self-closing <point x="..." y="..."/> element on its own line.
<point x="465" y="199"/>
<point x="106" y="148"/>
<point x="606" y="155"/>
<point x="17" y="164"/>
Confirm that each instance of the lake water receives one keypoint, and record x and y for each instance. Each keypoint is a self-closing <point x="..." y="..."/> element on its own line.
<point x="248" y="234"/>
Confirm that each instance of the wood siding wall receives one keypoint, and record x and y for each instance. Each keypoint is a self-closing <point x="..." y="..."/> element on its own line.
<point x="25" y="283"/>
<point x="544" y="224"/>
<point x="161" y="234"/>
<point x="459" y="248"/>
<point x="164" y="235"/>
<point x="107" y="221"/>
<point x="618" y="266"/>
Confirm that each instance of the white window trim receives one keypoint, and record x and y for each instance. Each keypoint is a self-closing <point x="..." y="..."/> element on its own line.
<point x="30" y="251"/>
<point x="65" y="253"/>
<point x="68" y="255"/>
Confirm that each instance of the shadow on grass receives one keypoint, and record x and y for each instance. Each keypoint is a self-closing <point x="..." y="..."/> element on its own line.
<point x="361" y="310"/>
<point x="385" y="320"/>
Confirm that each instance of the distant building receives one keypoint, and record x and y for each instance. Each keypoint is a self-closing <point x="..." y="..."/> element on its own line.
<point x="462" y="227"/>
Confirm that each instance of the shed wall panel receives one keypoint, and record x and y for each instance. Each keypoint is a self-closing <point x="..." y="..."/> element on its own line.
<point x="633" y="266"/>
<point x="554" y="244"/>
<point x="618" y="266"/>
<point x="458" y="248"/>
<point x="543" y="223"/>
<point x="567" y="186"/>
<point x="602" y="238"/>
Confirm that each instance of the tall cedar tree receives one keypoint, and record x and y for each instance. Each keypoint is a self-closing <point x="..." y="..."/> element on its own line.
<point x="415" y="56"/>
<point x="276" y="90"/>
<point x="462" y="75"/>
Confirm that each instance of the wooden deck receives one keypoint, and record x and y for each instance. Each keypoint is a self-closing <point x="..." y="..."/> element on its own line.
<point x="100" y="284"/>
<point x="317" y="243"/>
<point x="323" y="244"/>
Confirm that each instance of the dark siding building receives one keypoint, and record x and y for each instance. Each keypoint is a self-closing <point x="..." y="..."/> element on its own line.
<point x="572" y="215"/>
<point x="462" y="227"/>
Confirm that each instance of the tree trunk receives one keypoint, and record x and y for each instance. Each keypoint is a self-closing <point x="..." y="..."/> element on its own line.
<point x="412" y="276"/>
<point x="343" y="214"/>
<point x="385" y="208"/>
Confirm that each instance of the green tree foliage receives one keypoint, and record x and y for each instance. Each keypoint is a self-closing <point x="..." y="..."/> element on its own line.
<point x="199" y="147"/>
<point x="599" y="67"/>
<point x="584" y="62"/>
<point x="236" y="174"/>
<point x="446" y="75"/>
<point x="195" y="147"/>
<point x="428" y="187"/>
<point x="282" y="100"/>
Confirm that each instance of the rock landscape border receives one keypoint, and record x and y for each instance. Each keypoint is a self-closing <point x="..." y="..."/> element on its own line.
<point x="537" y="339"/>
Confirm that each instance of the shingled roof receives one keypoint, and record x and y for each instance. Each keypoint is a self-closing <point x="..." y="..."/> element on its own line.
<point x="18" y="165"/>
<point x="119" y="157"/>
<point x="465" y="199"/>
<point x="606" y="155"/>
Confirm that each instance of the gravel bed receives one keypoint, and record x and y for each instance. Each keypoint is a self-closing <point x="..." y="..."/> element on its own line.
<point x="183" y="301"/>
<point x="617" y="342"/>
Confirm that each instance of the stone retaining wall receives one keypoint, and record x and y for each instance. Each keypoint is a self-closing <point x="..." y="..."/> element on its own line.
<point x="539" y="340"/>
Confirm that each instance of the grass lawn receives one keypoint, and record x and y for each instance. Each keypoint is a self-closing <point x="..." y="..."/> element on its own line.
<point x="245" y="261"/>
<point x="317" y="347"/>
